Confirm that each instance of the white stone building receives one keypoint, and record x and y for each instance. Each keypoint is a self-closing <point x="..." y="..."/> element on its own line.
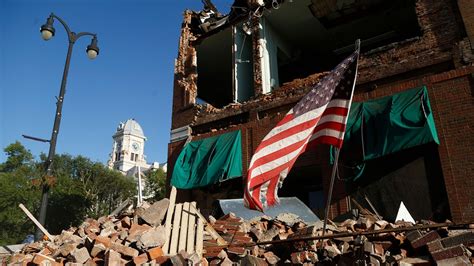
<point x="128" y="150"/>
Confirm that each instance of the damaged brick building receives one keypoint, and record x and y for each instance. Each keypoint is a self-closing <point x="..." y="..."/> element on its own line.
<point x="243" y="71"/>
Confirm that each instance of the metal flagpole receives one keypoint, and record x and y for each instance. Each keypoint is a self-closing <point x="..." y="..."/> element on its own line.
<point x="140" y="197"/>
<point x="336" y="157"/>
<point x="331" y="186"/>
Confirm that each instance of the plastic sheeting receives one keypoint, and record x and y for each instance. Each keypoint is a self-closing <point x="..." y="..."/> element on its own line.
<point x="208" y="161"/>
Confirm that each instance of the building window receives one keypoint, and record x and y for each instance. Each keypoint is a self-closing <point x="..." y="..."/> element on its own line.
<point x="134" y="157"/>
<point x="225" y="63"/>
<point x="117" y="156"/>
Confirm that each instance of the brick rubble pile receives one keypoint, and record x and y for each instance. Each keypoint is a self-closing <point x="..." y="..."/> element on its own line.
<point x="136" y="237"/>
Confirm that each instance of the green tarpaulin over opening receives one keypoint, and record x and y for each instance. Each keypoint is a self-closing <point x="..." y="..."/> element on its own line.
<point x="391" y="124"/>
<point x="208" y="161"/>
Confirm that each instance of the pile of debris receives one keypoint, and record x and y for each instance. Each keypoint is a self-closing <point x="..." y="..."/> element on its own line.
<point x="365" y="241"/>
<point x="133" y="237"/>
<point x="142" y="237"/>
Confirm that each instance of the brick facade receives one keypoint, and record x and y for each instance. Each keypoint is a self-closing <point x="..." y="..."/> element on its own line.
<point x="452" y="100"/>
<point x="439" y="59"/>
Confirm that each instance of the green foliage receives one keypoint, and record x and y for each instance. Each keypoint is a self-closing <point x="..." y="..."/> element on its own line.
<point x="156" y="185"/>
<point x="16" y="174"/>
<point x="18" y="156"/>
<point x="82" y="188"/>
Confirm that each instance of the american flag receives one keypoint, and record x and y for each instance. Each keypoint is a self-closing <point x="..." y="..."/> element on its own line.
<point x="319" y="117"/>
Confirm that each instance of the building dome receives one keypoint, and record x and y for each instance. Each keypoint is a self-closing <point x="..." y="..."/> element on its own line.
<point x="130" y="127"/>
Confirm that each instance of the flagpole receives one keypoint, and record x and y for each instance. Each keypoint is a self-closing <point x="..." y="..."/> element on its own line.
<point x="331" y="186"/>
<point x="140" y="197"/>
<point x="336" y="157"/>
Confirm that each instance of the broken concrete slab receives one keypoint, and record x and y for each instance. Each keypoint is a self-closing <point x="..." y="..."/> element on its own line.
<point x="152" y="238"/>
<point x="288" y="218"/>
<point x="124" y="250"/>
<point x="155" y="213"/>
<point x="81" y="255"/>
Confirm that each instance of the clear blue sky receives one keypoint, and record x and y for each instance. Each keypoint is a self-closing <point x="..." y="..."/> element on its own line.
<point x="131" y="78"/>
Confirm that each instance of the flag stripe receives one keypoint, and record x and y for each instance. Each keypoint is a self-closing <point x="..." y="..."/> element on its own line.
<point x="277" y="154"/>
<point x="295" y="121"/>
<point x="262" y="168"/>
<point x="287" y="133"/>
<point x="319" y="117"/>
<point x="259" y="173"/>
<point x="289" y="121"/>
<point x="283" y="142"/>
<point x="340" y="127"/>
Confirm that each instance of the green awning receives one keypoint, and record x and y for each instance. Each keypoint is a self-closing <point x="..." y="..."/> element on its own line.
<point x="392" y="123"/>
<point x="386" y="125"/>
<point x="208" y="161"/>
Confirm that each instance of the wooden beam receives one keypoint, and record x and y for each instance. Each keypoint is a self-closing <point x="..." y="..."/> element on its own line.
<point x="169" y="218"/>
<point x="175" y="233"/>
<point x="183" y="231"/>
<point x="122" y="206"/>
<point x="199" y="237"/>
<point x="191" y="228"/>
<point x="208" y="227"/>
<point x="32" y="218"/>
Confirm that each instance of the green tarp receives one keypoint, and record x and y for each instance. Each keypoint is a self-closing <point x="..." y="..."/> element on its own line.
<point x="390" y="124"/>
<point x="208" y="161"/>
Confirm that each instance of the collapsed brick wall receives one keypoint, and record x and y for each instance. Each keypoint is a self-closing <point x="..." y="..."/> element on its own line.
<point x="440" y="31"/>
<point x="441" y="42"/>
<point x="382" y="72"/>
<point x="185" y="76"/>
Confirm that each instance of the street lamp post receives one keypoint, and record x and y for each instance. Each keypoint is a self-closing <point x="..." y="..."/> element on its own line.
<point x="47" y="32"/>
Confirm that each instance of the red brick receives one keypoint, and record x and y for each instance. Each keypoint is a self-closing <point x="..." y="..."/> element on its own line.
<point x="464" y="238"/>
<point x="448" y="253"/>
<point x="139" y="260"/>
<point x="103" y="240"/>
<point x="154" y="253"/>
<point x="434" y="246"/>
<point x="124" y="250"/>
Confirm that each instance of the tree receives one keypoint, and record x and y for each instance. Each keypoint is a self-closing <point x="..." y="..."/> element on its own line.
<point x="84" y="189"/>
<point x="156" y="184"/>
<point x="81" y="188"/>
<point x="16" y="174"/>
<point x="18" y="156"/>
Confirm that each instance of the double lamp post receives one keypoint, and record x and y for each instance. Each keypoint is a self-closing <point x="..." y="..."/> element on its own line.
<point x="47" y="32"/>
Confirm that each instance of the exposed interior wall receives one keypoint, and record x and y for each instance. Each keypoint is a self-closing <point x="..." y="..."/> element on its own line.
<point x="243" y="65"/>
<point x="275" y="46"/>
<point x="214" y="69"/>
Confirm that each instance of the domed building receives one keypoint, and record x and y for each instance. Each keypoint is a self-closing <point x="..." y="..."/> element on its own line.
<point x="128" y="149"/>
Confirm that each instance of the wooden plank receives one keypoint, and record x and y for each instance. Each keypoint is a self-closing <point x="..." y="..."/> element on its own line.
<point x="210" y="229"/>
<point x="183" y="234"/>
<point x="191" y="228"/>
<point x="32" y="218"/>
<point x="169" y="218"/>
<point x="199" y="237"/>
<point x="122" y="206"/>
<point x="175" y="232"/>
